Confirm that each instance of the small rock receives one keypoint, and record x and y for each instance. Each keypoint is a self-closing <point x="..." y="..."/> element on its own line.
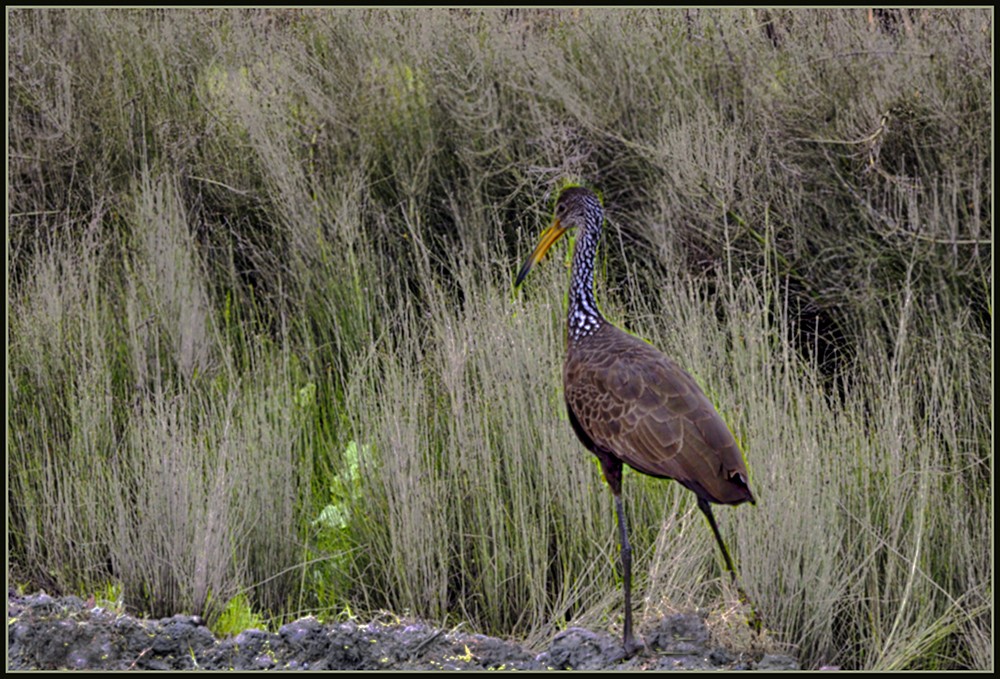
<point x="720" y="656"/>
<point x="41" y="604"/>
<point x="580" y="649"/>
<point x="300" y="632"/>
<point x="776" y="663"/>
<point x="680" y="634"/>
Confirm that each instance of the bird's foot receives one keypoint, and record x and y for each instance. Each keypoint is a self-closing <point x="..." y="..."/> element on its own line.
<point x="631" y="646"/>
<point x="754" y="620"/>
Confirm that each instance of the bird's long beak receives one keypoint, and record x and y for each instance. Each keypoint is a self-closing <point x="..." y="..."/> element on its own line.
<point x="549" y="237"/>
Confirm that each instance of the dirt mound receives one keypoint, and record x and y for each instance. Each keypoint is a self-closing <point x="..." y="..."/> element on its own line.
<point x="49" y="633"/>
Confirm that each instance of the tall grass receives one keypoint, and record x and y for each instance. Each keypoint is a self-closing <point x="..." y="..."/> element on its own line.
<point x="264" y="346"/>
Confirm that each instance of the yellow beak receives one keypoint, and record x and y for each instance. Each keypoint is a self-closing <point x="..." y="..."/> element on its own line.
<point x="549" y="237"/>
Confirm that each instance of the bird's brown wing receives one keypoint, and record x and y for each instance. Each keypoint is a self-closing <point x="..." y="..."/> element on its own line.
<point x="635" y="402"/>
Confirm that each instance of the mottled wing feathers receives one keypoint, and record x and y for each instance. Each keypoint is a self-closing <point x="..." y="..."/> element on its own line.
<point x="635" y="403"/>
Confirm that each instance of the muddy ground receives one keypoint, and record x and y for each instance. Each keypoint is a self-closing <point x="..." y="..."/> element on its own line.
<point x="44" y="632"/>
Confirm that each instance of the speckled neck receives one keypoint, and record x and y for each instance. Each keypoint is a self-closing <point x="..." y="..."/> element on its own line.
<point x="583" y="318"/>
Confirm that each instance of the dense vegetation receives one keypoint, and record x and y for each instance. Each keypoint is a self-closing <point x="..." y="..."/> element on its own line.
<point x="265" y="358"/>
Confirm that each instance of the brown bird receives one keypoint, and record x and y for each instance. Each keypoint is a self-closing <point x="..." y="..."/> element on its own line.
<point x="630" y="404"/>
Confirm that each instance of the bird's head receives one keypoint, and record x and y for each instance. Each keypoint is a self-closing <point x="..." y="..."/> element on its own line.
<point x="576" y="207"/>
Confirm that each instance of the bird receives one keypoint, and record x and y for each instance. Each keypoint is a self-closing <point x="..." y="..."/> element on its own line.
<point x="629" y="404"/>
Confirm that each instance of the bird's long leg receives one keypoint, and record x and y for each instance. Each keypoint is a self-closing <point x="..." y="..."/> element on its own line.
<point x="706" y="509"/>
<point x="628" y="641"/>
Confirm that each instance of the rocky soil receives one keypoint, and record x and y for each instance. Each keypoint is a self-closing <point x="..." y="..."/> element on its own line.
<point x="44" y="632"/>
